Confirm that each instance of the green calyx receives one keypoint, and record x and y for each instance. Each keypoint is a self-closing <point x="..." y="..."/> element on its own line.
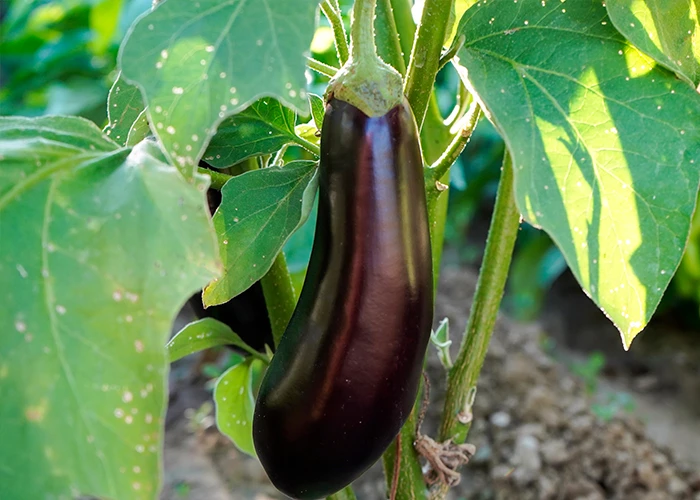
<point x="365" y="81"/>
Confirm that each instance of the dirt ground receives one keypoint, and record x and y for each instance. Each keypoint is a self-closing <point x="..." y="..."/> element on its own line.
<point x="541" y="432"/>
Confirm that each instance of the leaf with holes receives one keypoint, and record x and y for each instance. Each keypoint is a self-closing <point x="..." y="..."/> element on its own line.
<point x="667" y="30"/>
<point x="202" y="334"/>
<point x="258" y="213"/>
<point x="124" y="109"/>
<point x="233" y="396"/>
<point x="606" y="146"/>
<point x="100" y="246"/>
<point x="262" y="128"/>
<point x="198" y="62"/>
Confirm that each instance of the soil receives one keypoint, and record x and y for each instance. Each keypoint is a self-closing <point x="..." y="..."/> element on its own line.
<point x="541" y="432"/>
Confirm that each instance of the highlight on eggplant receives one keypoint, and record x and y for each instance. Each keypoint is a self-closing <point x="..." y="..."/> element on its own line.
<point x="346" y="372"/>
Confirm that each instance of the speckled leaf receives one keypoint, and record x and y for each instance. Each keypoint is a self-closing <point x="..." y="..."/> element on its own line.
<point x="262" y="128"/>
<point x="139" y="130"/>
<point x="124" y="107"/>
<point x="667" y="30"/>
<point x="99" y="248"/>
<point x="198" y="62"/>
<point x="202" y="334"/>
<point x="606" y="147"/>
<point x="259" y="211"/>
<point x="233" y="396"/>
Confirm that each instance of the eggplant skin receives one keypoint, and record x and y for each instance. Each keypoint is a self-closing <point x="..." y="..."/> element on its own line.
<point x="346" y="372"/>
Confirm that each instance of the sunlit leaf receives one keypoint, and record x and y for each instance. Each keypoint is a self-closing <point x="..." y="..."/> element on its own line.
<point x="606" y="146"/>
<point x="667" y="30"/>
<point x="202" y="334"/>
<point x="201" y="61"/>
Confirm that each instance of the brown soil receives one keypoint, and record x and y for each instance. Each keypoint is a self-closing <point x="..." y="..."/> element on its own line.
<point x="536" y="434"/>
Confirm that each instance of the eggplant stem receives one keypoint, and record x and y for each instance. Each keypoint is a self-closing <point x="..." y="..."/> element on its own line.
<point x="362" y="47"/>
<point x="459" y="142"/>
<point x="320" y="67"/>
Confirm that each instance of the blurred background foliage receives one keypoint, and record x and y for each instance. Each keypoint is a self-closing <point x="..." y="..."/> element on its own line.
<point x="59" y="57"/>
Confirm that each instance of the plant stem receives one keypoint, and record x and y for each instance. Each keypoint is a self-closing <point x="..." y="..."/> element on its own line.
<point x="334" y="17"/>
<point x="436" y="171"/>
<point x="405" y="26"/>
<point x="321" y="67"/>
<point x="489" y="291"/>
<point x="344" y="494"/>
<point x="425" y="55"/>
<point x="218" y="179"/>
<point x="308" y="145"/>
<point x="279" y="296"/>
<point x="447" y="56"/>
<point x="362" y="46"/>
<point x="387" y="37"/>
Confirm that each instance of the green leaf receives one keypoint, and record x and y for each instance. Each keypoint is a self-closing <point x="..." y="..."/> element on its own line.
<point x="233" y="396"/>
<point x="666" y="30"/>
<point x="460" y="7"/>
<point x="199" y="62"/>
<point x="262" y="128"/>
<point x="124" y="107"/>
<point x="202" y="334"/>
<point x="139" y="130"/>
<point x="318" y="110"/>
<point x="606" y="147"/>
<point x="100" y="246"/>
<point x="259" y="211"/>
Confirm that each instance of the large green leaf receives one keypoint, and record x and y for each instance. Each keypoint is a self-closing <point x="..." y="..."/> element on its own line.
<point x="259" y="211"/>
<point x="199" y="62"/>
<point x="606" y="146"/>
<point x="667" y="30"/>
<point x="99" y="248"/>
<point x="262" y="128"/>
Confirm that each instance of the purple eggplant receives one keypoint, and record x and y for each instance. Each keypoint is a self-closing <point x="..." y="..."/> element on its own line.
<point x="346" y="373"/>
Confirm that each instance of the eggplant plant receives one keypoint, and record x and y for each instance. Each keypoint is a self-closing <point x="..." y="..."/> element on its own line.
<point x="106" y="232"/>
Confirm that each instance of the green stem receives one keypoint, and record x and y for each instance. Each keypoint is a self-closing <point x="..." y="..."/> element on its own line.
<point x="308" y="145"/>
<point x="387" y="37"/>
<point x="218" y="179"/>
<point x="362" y="48"/>
<point x="425" y="55"/>
<point x="405" y="26"/>
<point x="279" y="296"/>
<point x="334" y="17"/>
<point x="321" y="67"/>
<point x="463" y="376"/>
<point x="436" y="171"/>
<point x="344" y="494"/>
<point x="447" y="56"/>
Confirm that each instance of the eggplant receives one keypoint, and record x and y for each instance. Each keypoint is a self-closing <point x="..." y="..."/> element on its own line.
<point x="346" y="373"/>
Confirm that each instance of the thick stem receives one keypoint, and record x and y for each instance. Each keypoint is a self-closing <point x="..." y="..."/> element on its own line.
<point x="404" y="25"/>
<point x="425" y="56"/>
<point x="334" y="17"/>
<point x="387" y="37"/>
<point x="464" y="374"/>
<point x="279" y="296"/>
<point x="362" y="46"/>
<point x="344" y="494"/>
